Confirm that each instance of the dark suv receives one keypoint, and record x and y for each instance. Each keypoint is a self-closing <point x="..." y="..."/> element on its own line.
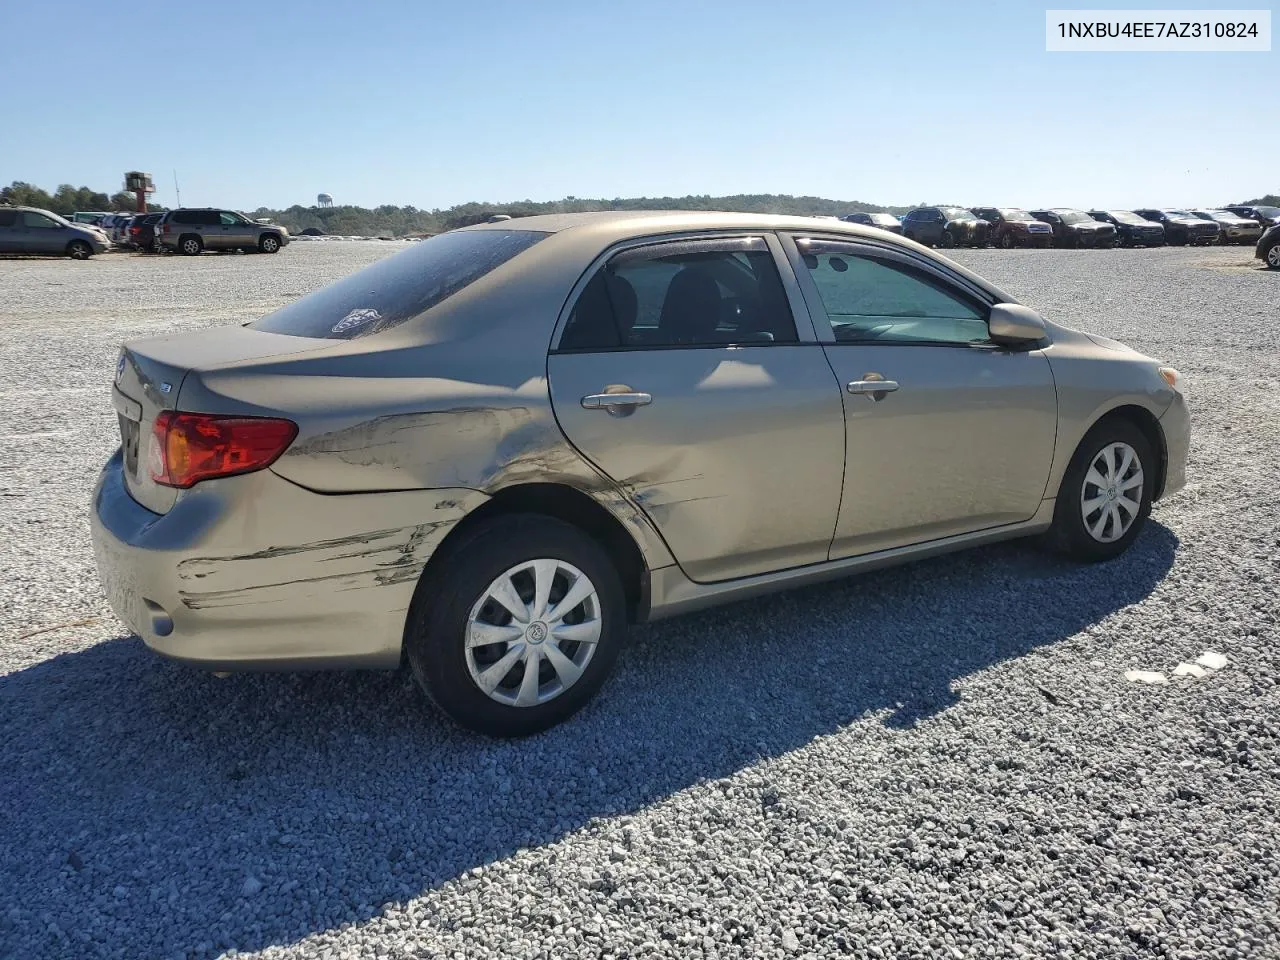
<point x="194" y="229"/>
<point x="1011" y="227"/>
<point x="1132" y="230"/>
<point x="1075" y="228"/>
<point x="1268" y="250"/>
<point x="885" y="221"/>
<point x="1181" y="228"/>
<point x="945" y="227"/>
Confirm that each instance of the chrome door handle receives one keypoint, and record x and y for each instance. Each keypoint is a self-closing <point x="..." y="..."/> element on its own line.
<point x="872" y="386"/>
<point x="617" y="404"/>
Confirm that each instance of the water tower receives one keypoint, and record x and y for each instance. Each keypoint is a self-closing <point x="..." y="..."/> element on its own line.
<point x="324" y="200"/>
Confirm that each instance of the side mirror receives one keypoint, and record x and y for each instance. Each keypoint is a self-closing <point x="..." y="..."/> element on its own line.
<point x="1013" y="323"/>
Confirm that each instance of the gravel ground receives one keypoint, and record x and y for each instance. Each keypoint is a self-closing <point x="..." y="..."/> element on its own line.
<point x="943" y="760"/>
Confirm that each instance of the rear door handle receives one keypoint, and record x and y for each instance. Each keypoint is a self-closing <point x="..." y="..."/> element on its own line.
<point x="872" y="386"/>
<point x="617" y="404"/>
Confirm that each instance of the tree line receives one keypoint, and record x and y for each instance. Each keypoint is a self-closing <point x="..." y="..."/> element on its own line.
<point x="67" y="199"/>
<point x="392" y="221"/>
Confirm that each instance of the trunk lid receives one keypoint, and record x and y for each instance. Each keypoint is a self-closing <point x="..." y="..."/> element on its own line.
<point x="148" y="380"/>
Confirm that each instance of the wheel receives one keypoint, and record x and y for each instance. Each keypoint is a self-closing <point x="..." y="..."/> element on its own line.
<point x="190" y="245"/>
<point x="948" y="240"/>
<point x="518" y="627"/>
<point x="269" y="244"/>
<point x="1272" y="255"/>
<point x="79" y="250"/>
<point x="1007" y="242"/>
<point x="1105" y="496"/>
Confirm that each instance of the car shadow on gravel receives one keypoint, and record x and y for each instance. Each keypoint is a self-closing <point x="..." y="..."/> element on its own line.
<point x="147" y="809"/>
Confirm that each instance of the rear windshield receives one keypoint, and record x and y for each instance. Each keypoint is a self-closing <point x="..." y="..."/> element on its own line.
<point x="398" y="288"/>
<point x="1123" y="216"/>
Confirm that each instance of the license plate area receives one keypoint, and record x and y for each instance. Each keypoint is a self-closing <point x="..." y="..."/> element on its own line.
<point x="129" y="430"/>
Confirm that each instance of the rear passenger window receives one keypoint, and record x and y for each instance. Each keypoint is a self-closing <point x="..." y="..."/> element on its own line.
<point x="683" y="294"/>
<point x="8" y="218"/>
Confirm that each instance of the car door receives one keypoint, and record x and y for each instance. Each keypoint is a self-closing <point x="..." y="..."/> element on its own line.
<point x="41" y="234"/>
<point x="947" y="432"/>
<point x="9" y="230"/>
<point x="238" y="232"/>
<point x="688" y="372"/>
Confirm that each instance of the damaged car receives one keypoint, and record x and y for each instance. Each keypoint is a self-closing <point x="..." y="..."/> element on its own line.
<point x="490" y="453"/>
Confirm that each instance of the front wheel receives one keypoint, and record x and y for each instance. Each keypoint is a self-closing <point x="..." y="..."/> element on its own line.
<point x="269" y="244"/>
<point x="1106" y="494"/>
<point x="1272" y="255"/>
<point x="948" y="240"/>
<point x="79" y="250"/>
<point x="518" y="626"/>
<point x="1007" y="242"/>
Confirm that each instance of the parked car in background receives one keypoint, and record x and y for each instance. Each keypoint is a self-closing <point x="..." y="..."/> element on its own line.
<point x="1268" y="249"/>
<point x="1264" y="215"/>
<point x="885" y="221"/>
<point x="1012" y="227"/>
<point x="30" y="230"/>
<point x="1180" y="227"/>
<point x="1232" y="228"/>
<point x="120" y="230"/>
<point x="142" y="232"/>
<point x="1131" y="229"/>
<point x="493" y="451"/>
<point x="945" y="227"/>
<point x="1075" y="228"/>
<point x="91" y="217"/>
<point x="191" y="230"/>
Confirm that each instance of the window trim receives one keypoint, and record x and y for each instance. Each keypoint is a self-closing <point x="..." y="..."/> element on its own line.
<point x="796" y="301"/>
<point x="958" y="286"/>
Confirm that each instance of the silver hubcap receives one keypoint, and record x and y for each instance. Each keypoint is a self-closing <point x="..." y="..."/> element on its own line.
<point x="1112" y="494"/>
<point x="191" y="246"/>
<point x="1273" y="255"/>
<point x="533" y="632"/>
<point x="269" y="246"/>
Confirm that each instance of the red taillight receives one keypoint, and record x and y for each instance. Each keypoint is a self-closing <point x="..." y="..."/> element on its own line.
<point x="164" y="228"/>
<point x="135" y="230"/>
<point x="189" y="447"/>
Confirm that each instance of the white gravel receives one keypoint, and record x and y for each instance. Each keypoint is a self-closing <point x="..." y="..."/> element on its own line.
<point x="944" y="760"/>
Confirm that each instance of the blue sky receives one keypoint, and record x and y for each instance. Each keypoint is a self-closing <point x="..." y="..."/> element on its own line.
<point x="432" y="104"/>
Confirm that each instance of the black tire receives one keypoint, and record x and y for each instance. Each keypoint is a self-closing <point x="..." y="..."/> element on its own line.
<point x="1007" y="242"/>
<point x="79" y="250"/>
<point x="190" y="245"/>
<point x="1271" y="255"/>
<point x="437" y="628"/>
<point x="269" y="243"/>
<point x="1070" y="534"/>
<point x="948" y="240"/>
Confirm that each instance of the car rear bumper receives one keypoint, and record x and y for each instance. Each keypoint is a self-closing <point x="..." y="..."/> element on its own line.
<point x="255" y="572"/>
<point x="1176" y="424"/>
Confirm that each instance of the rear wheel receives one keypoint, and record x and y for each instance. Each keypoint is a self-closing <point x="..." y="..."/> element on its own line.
<point x="190" y="245"/>
<point x="79" y="250"/>
<point x="1105" y="496"/>
<point x="1006" y="241"/>
<point x="269" y="244"/>
<point x="948" y="240"/>
<point x="518" y="626"/>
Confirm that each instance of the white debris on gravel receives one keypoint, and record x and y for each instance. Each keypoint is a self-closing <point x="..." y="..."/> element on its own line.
<point x="1211" y="660"/>
<point x="1185" y="669"/>
<point x="931" y="761"/>
<point x="1146" y="676"/>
